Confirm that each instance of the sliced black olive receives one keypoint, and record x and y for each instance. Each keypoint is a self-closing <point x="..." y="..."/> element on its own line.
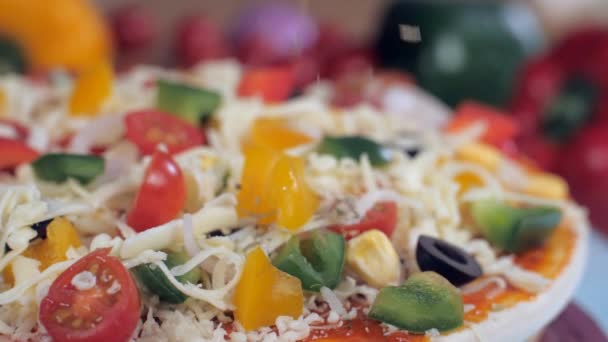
<point x="222" y="232"/>
<point x="412" y="152"/>
<point x="456" y="265"/>
<point x="40" y="228"/>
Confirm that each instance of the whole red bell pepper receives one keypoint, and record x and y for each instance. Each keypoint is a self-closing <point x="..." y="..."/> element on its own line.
<point x="561" y="101"/>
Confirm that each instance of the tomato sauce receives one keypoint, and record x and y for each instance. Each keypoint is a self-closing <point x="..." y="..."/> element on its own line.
<point x="548" y="260"/>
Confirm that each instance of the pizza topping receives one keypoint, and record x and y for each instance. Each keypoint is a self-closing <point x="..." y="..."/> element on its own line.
<point x="59" y="167"/>
<point x="273" y="189"/>
<point x="91" y="89"/>
<point x="512" y="228"/>
<point x="156" y="282"/>
<point x="317" y="261"/>
<point x="372" y="257"/>
<point x="381" y="216"/>
<point x="275" y="134"/>
<point x="79" y="307"/>
<point x="161" y="196"/>
<point x="264" y="293"/>
<point x="451" y="262"/>
<point x="271" y="83"/>
<point x="354" y="147"/>
<point x="187" y="102"/>
<point x="149" y="128"/>
<point x="425" y="301"/>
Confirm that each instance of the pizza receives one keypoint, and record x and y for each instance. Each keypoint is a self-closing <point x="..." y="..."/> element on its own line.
<point x="214" y="205"/>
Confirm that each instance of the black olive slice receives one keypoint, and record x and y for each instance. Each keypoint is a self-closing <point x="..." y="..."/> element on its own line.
<point x="40" y="228"/>
<point x="454" y="264"/>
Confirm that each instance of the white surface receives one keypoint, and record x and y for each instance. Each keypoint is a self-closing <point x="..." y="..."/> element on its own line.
<point x="591" y="295"/>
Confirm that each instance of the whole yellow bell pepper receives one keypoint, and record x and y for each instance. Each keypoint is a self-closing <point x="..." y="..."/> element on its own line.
<point x="264" y="293"/>
<point x="59" y="33"/>
<point x="60" y="237"/>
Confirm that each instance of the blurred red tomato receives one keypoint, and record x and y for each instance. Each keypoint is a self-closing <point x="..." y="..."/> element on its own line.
<point x="199" y="38"/>
<point x="585" y="167"/>
<point x="351" y="61"/>
<point x="134" y="27"/>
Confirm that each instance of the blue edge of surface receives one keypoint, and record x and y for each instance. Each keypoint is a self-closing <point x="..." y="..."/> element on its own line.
<point x="592" y="294"/>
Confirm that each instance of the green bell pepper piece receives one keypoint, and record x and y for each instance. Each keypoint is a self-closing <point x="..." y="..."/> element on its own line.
<point x="150" y="276"/>
<point x="317" y="261"/>
<point x="354" y="147"/>
<point x="58" y="167"/>
<point x="425" y="301"/>
<point x="190" y="103"/>
<point x="515" y="229"/>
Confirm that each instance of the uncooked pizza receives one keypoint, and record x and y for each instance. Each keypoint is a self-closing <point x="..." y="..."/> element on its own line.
<point x="215" y="205"/>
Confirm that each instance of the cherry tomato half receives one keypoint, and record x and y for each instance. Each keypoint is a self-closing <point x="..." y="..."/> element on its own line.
<point x="107" y="311"/>
<point x="14" y="153"/>
<point x="161" y="196"/>
<point x="382" y="216"/>
<point x="148" y="128"/>
<point x="272" y="83"/>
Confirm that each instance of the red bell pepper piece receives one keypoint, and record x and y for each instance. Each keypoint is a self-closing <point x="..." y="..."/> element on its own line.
<point x="14" y="153"/>
<point x="500" y="127"/>
<point x="272" y="83"/>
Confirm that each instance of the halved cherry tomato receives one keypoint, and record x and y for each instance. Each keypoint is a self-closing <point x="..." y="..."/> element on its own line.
<point x="148" y="128"/>
<point x="382" y="216"/>
<point x="161" y="196"/>
<point x="500" y="127"/>
<point x="272" y="83"/>
<point x="107" y="311"/>
<point x="14" y="153"/>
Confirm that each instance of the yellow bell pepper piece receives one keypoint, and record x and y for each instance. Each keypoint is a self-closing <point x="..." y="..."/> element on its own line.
<point x="294" y="201"/>
<point x="547" y="185"/>
<point x="264" y="293"/>
<point x="60" y="33"/>
<point x="483" y="154"/>
<point x="255" y="180"/>
<point x="275" y="134"/>
<point x="273" y="189"/>
<point x="373" y="258"/>
<point x="91" y="89"/>
<point x="541" y="184"/>
<point x="60" y="236"/>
